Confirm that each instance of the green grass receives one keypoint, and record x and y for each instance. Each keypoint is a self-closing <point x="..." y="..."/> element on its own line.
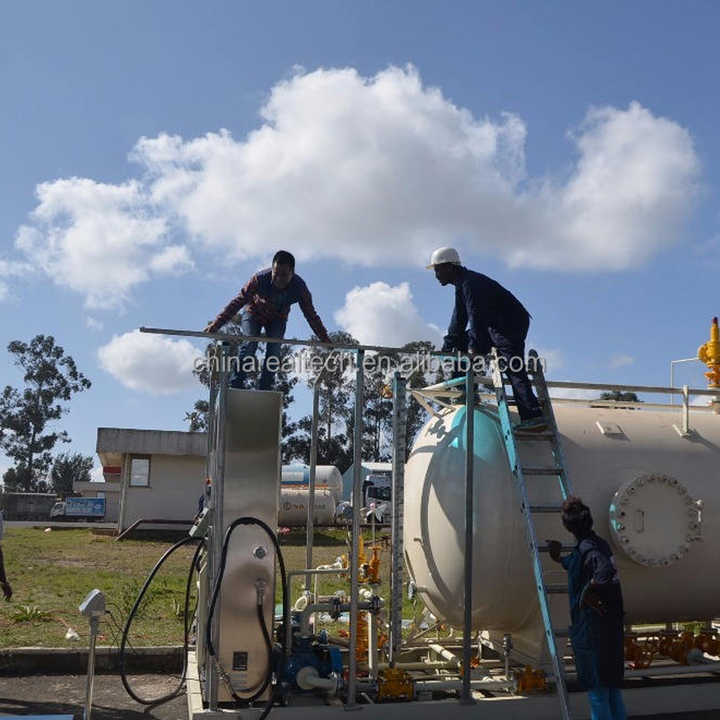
<point x="51" y="573"/>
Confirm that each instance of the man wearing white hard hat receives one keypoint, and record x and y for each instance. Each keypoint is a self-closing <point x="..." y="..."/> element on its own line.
<point x="488" y="315"/>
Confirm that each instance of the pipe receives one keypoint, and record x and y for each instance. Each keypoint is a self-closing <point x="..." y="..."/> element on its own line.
<point x="699" y="669"/>
<point x="357" y="501"/>
<point x="217" y="495"/>
<point x="466" y="696"/>
<point x="445" y="653"/>
<point x="317" y="607"/>
<point x="399" y="420"/>
<point x="307" y="572"/>
<point x="430" y="665"/>
<point x="94" y="629"/>
<point x="459" y="684"/>
<point x="373" y="657"/>
<point x="311" y="481"/>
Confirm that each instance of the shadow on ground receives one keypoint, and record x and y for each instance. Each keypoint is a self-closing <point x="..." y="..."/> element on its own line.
<point x="65" y="695"/>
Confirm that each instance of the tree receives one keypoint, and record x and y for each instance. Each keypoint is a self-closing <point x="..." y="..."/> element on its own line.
<point x="417" y="416"/>
<point x="51" y="378"/>
<point x="333" y="369"/>
<point x="619" y="396"/>
<point x="68" y="469"/>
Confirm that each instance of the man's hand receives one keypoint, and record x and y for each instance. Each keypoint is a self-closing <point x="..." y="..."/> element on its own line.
<point x="554" y="549"/>
<point x="7" y="590"/>
<point x="591" y="598"/>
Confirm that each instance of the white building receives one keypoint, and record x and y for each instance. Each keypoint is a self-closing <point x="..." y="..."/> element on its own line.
<point x="149" y="474"/>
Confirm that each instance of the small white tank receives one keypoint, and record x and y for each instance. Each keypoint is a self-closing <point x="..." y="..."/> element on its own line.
<point x="326" y="477"/>
<point x="631" y="467"/>
<point x="294" y="506"/>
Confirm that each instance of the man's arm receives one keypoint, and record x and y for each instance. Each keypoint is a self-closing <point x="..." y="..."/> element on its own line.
<point x="241" y="299"/>
<point x="4" y="584"/>
<point x="478" y="339"/>
<point x="308" y="309"/>
<point x="458" y="322"/>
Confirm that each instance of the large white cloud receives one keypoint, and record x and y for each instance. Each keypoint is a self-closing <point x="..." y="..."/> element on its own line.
<point x="380" y="314"/>
<point x="153" y="364"/>
<point x="98" y="239"/>
<point x="373" y="170"/>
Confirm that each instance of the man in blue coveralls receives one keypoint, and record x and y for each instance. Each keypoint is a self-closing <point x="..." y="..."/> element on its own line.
<point x="265" y="302"/>
<point x="496" y="318"/>
<point x="596" y="612"/>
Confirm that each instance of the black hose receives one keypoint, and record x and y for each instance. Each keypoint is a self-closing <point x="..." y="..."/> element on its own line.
<point x="261" y="616"/>
<point x="133" y="611"/>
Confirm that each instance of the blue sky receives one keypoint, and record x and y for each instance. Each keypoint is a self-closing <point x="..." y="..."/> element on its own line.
<point x="569" y="150"/>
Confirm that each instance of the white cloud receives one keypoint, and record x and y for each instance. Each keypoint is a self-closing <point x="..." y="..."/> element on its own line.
<point x="173" y="260"/>
<point x="619" y="360"/>
<point x="93" y="324"/>
<point x="150" y="363"/>
<point x="98" y="239"/>
<point x="370" y="170"/>
<point x="380" y="314"/>
<point x="382" y="169"/>
<point x="8" y="269"/>
<point x="96" y="474"/>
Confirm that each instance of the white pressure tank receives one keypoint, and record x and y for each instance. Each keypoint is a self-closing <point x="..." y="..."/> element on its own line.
<point x="293" y="508"/>
<point x="654" y="495"/>
<point x="327" y="477"/>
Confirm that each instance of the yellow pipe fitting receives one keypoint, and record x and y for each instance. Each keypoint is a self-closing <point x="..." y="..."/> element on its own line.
<point x="394" y="684"/>
<point x="709" y="353"/>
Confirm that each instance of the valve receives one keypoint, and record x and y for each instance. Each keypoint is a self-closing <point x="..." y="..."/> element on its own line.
<point x="530" y="680"/>
<point x="709" y="353"/>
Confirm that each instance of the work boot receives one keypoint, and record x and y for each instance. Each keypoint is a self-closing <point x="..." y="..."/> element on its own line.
<point x="535" y="424"/>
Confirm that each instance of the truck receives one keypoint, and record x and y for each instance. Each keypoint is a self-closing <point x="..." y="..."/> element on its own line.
<point x="26" y="506"/>
<point x="377" y="491"/>
<point x="79" y="508"/>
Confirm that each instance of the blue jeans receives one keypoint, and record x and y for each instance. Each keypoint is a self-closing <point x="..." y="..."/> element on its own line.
<point x="606" y="703"/>
<point x="252" y="327"/>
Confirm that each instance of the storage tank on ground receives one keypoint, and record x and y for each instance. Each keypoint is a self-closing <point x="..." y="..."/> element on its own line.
<point x="654" y="495"/>
<point x="327" y="477"/>
<point x="293" y="508"/>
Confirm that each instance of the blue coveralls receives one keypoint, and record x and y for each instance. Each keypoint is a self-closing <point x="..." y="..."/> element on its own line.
<point x="597" y="640"/>
<point x="496" y="318"/>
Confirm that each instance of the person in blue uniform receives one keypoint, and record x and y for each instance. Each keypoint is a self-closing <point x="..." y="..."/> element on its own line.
<point x="596" y="612"/>
<point x="487" y="315"/>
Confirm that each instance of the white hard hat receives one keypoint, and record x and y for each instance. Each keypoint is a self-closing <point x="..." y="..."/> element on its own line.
<point x="444" y="255"/>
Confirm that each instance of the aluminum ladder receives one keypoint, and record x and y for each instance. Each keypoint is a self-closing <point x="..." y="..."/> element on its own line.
<point x="512" y="439"/>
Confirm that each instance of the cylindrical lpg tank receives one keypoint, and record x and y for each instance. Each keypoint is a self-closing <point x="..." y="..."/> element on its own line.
<point x="661" y="491"/>
<point x="294" y="506"/>
<point x="326" y="477"/>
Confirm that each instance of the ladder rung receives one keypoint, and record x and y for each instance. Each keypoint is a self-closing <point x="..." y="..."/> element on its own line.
<point x="542" y="471"/>
<point x="556" y="589"/>
<point x="563" y="548"/>
<point x="546" y="508"/>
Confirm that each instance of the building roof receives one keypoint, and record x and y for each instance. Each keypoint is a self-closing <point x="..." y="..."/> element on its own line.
<point x="112" y="443"/>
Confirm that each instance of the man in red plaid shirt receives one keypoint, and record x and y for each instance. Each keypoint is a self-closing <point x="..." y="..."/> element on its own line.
<point x="265" y="302"/>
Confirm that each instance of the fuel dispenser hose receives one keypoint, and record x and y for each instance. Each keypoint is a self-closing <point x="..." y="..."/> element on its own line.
<point x="261" y="617"/>
<point x="186" y="616"/>
<point x="208" y="635"/>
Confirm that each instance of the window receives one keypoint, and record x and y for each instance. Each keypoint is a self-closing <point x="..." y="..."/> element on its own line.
<point x="100" y="494"/>
<point x="140" y="472"/>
